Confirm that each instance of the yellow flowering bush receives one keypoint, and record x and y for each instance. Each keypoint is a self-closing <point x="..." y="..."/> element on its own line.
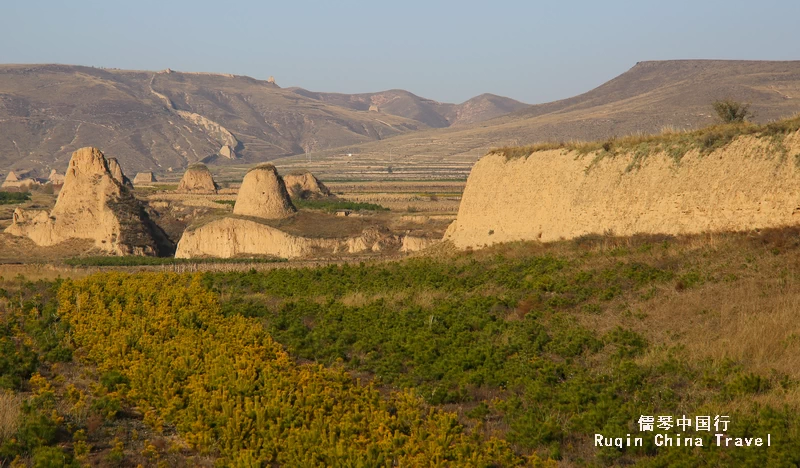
<point x="232" y="391"/>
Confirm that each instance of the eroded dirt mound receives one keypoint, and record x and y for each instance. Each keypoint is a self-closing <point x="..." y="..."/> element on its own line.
<point x="197" y="179"/>
<point x="117" y="174"/>
<point x="304" y="185"/>
<point x="413" y="243"/>
<point x="144" y="178"/>
<point x="13" y="181"/>
<point x="91" y="205"/>
<point x="55" y="178"/>
<point x="12" y="177"/>
<point x="263" y="195"/>
<point x="233" y="236"/>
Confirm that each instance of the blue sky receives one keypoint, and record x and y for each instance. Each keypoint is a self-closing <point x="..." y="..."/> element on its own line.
<point x="445" y="50"/>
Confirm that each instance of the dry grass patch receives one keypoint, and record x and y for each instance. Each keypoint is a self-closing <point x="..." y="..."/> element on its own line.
<point x="360" y="299"/>
<point x="674" y="143"/>
<point x="38" y="271"/>
<point x="10" y="410"/>
<point x="15" y="249"/>
<point x="356" y="299"/>
<point x="427" y="298"/>
<point x="734" y="300"/>
<point x="753" y="323"/>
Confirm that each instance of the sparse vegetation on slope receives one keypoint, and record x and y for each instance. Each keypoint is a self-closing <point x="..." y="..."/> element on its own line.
<point x="331" y="206"/>
<point x="730" y="111"/>
<point x="675" y="144"/>
<point x="175" y="111"/>
<point x="146" y="261"/>
<point x="12" y="198"/>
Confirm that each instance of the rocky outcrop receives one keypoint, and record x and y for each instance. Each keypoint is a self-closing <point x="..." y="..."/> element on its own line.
<point x="117" y="174"/>
<point x="22" y="217"/>
<point x="92" y="205"/>
<point x="197" y="179"/>
<point x="263" y="195"/>
<point x="304" y="185"/>
<point x="12" y="181"/>
<point x="213" y="129"/>
<point x="144" y="178"/>
<point x="560" y="194"/>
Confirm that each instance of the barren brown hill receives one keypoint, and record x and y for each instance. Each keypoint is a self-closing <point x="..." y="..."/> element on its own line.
<point x="432" y="113"/>
<point x="160" y="120"/>
<point x="649" y="97"/>
<point x="480" y="108"/>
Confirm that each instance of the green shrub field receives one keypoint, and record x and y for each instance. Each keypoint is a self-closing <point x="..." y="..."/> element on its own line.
<point x="516" y="355"/>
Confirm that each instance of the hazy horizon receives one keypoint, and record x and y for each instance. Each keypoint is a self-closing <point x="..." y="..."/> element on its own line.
<point x="449" y="51"/>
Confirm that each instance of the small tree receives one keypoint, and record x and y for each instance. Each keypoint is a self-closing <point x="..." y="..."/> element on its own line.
<point x="730" y="111"/>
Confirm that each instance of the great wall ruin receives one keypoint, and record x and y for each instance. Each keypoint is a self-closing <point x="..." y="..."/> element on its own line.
<point x="197" y="179"/>
<point x="251" y="230"/>
<point x="97" y="203"/>
<point x="303" y="184"/>
<point x="92" y="205"/>
<point x="750" y="183"/>
<point x="263" y="195"/>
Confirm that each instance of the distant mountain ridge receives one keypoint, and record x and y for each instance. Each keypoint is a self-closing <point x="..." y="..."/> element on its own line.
<point x="651" y="96"/>
<point x="687" y="84"/>
<point x="168" y="120"/>
<point x="161" y="120"/>
<point x="432" y="113"/>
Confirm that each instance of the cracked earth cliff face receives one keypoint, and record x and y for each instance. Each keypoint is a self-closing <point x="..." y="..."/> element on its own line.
<point x="93" y="205"/>
<point x="559" y="194"/>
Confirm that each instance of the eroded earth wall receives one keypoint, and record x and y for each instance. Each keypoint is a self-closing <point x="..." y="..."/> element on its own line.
<point x="559" y="194"/>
